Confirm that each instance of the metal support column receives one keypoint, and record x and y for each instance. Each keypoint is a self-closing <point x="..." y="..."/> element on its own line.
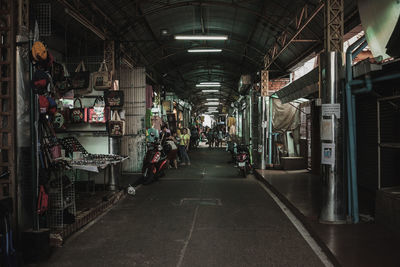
<point x="264" y="132"/>
<point x="333" y="208"/>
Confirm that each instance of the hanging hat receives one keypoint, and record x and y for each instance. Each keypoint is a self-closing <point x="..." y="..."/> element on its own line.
<point x="39" y="51"/>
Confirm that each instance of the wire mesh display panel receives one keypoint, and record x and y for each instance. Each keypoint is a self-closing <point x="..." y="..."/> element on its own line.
<point x="61" y="200"/>
<point x="43" y="18"/>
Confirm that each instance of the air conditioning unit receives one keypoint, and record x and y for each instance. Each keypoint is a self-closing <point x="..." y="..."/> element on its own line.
<point x="245" y="83"/>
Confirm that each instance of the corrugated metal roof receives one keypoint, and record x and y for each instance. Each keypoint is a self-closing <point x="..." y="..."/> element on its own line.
<point x="252" y="27"/>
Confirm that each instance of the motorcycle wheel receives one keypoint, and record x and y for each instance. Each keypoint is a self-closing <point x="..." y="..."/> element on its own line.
<point x="148" y="176"/>
<point x="244" y="172"/>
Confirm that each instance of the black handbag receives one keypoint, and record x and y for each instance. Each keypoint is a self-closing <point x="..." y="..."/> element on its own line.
<point x="62" y="81"/>
<point x="80" y="80"/>
<point x="77" y="115"/>
<point x="114" y="98"/>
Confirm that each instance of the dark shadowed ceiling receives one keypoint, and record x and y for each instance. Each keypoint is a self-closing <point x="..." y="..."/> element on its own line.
<point x="252" y="27"/>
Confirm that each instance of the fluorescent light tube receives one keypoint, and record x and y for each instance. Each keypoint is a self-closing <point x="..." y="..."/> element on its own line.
<point x="212" y="99"/>
<point x="203" y="50"/>
<point x="208" y="85"/>
<point x="210" y="91"/>
<point x="201" y="37"/>
<point x="212" y="104"/>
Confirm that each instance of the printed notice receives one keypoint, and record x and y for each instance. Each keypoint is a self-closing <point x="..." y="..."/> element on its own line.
<point x="328" y="154"/>
<point x="326" y="130"/>
<point x="331" y="109"/>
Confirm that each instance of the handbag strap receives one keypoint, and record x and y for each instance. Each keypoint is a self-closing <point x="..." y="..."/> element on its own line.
<point x="103" y="64"/>
<point x="80" y="102"/>
<point x="66" y="73"/>
<point x="115" y="116"/>
<point x="81" y="67"/>
<point x="99" y="100"/>
<point x="118" y="118"/>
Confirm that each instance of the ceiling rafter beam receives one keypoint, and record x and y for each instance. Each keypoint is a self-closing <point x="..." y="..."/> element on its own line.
<point x="286" y="38"/>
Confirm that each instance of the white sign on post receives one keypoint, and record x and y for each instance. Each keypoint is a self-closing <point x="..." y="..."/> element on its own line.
<point x="331" y="109"/>
<point x="328" y="154"/>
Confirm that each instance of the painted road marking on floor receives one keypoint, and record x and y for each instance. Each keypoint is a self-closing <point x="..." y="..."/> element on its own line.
<point x="201" y="201"/>
<point x="186" y="243"/>
<point x="300" y="227"/>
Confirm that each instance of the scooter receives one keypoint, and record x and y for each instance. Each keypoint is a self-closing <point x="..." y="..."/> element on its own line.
<point x="243" y="160"/>
<point x="154" y="163"/>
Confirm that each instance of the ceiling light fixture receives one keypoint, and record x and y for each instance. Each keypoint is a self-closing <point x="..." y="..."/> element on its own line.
<point x="204" y="50"/>
<point x="212" y="99"/>
<point x="212" y="104"/>
<point x="210" y="91"/>
<point x="201" y="37"/>
<point x="208" y="85"/>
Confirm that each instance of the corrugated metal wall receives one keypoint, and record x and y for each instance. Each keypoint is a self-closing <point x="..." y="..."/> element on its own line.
<point x="367" y="152"/>
<point x="389" y="111"/>
<point x="133" y="83"/>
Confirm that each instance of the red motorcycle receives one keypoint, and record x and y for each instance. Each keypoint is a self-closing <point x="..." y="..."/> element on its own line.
<point x="154" y="163"/>
<point x="243" y="160"/>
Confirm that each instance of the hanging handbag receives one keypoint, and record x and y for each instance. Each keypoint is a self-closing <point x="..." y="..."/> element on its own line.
<point x="43" y="201"/>
<point x="77" y="114"/>
<point x="114" y="99"/>
<point x="102" y="79"/>
<point x="97" y="113"/>
<point x="80" y="80"/>
<point x="116" y="126"/>
<point x="63" y="82"/>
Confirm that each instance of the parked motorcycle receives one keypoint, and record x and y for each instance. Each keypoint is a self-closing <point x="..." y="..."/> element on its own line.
<point x="154" y="162"/>
<point x="243" y="160"/>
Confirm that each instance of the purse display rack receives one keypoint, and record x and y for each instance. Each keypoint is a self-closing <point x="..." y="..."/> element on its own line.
<point x="62" y="209"/>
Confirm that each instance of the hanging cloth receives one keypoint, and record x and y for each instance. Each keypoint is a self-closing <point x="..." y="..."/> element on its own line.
<point x="149" y="96"/>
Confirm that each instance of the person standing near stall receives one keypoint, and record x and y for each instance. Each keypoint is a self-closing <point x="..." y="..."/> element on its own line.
<point x="184" y="146"/>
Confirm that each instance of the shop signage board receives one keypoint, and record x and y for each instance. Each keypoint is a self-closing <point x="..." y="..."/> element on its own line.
<point x="331" y="109"/>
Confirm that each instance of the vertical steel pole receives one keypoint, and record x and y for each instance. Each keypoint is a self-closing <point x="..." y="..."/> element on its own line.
<point x="270" y="131"/>
<point x="334" y="207"/>
<point x="334" y="201"/>
<point x="264" y="132"/>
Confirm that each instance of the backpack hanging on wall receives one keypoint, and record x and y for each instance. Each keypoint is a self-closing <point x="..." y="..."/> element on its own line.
<point x="102" y="79"/>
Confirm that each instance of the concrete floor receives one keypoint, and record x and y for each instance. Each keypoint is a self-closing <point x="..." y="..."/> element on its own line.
<point x="202" y="215"/>
<point x="365" y="244"/>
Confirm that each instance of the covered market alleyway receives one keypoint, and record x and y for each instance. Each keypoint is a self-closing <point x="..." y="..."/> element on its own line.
<point x="202" y="215"/>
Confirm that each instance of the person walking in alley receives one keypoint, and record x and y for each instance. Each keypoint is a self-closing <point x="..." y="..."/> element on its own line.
<point x="184" y="146"/>
<point x="174" y="150"/>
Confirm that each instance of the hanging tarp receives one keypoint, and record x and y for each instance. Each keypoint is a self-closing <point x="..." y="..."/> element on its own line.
<point x="285" y="117"/>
